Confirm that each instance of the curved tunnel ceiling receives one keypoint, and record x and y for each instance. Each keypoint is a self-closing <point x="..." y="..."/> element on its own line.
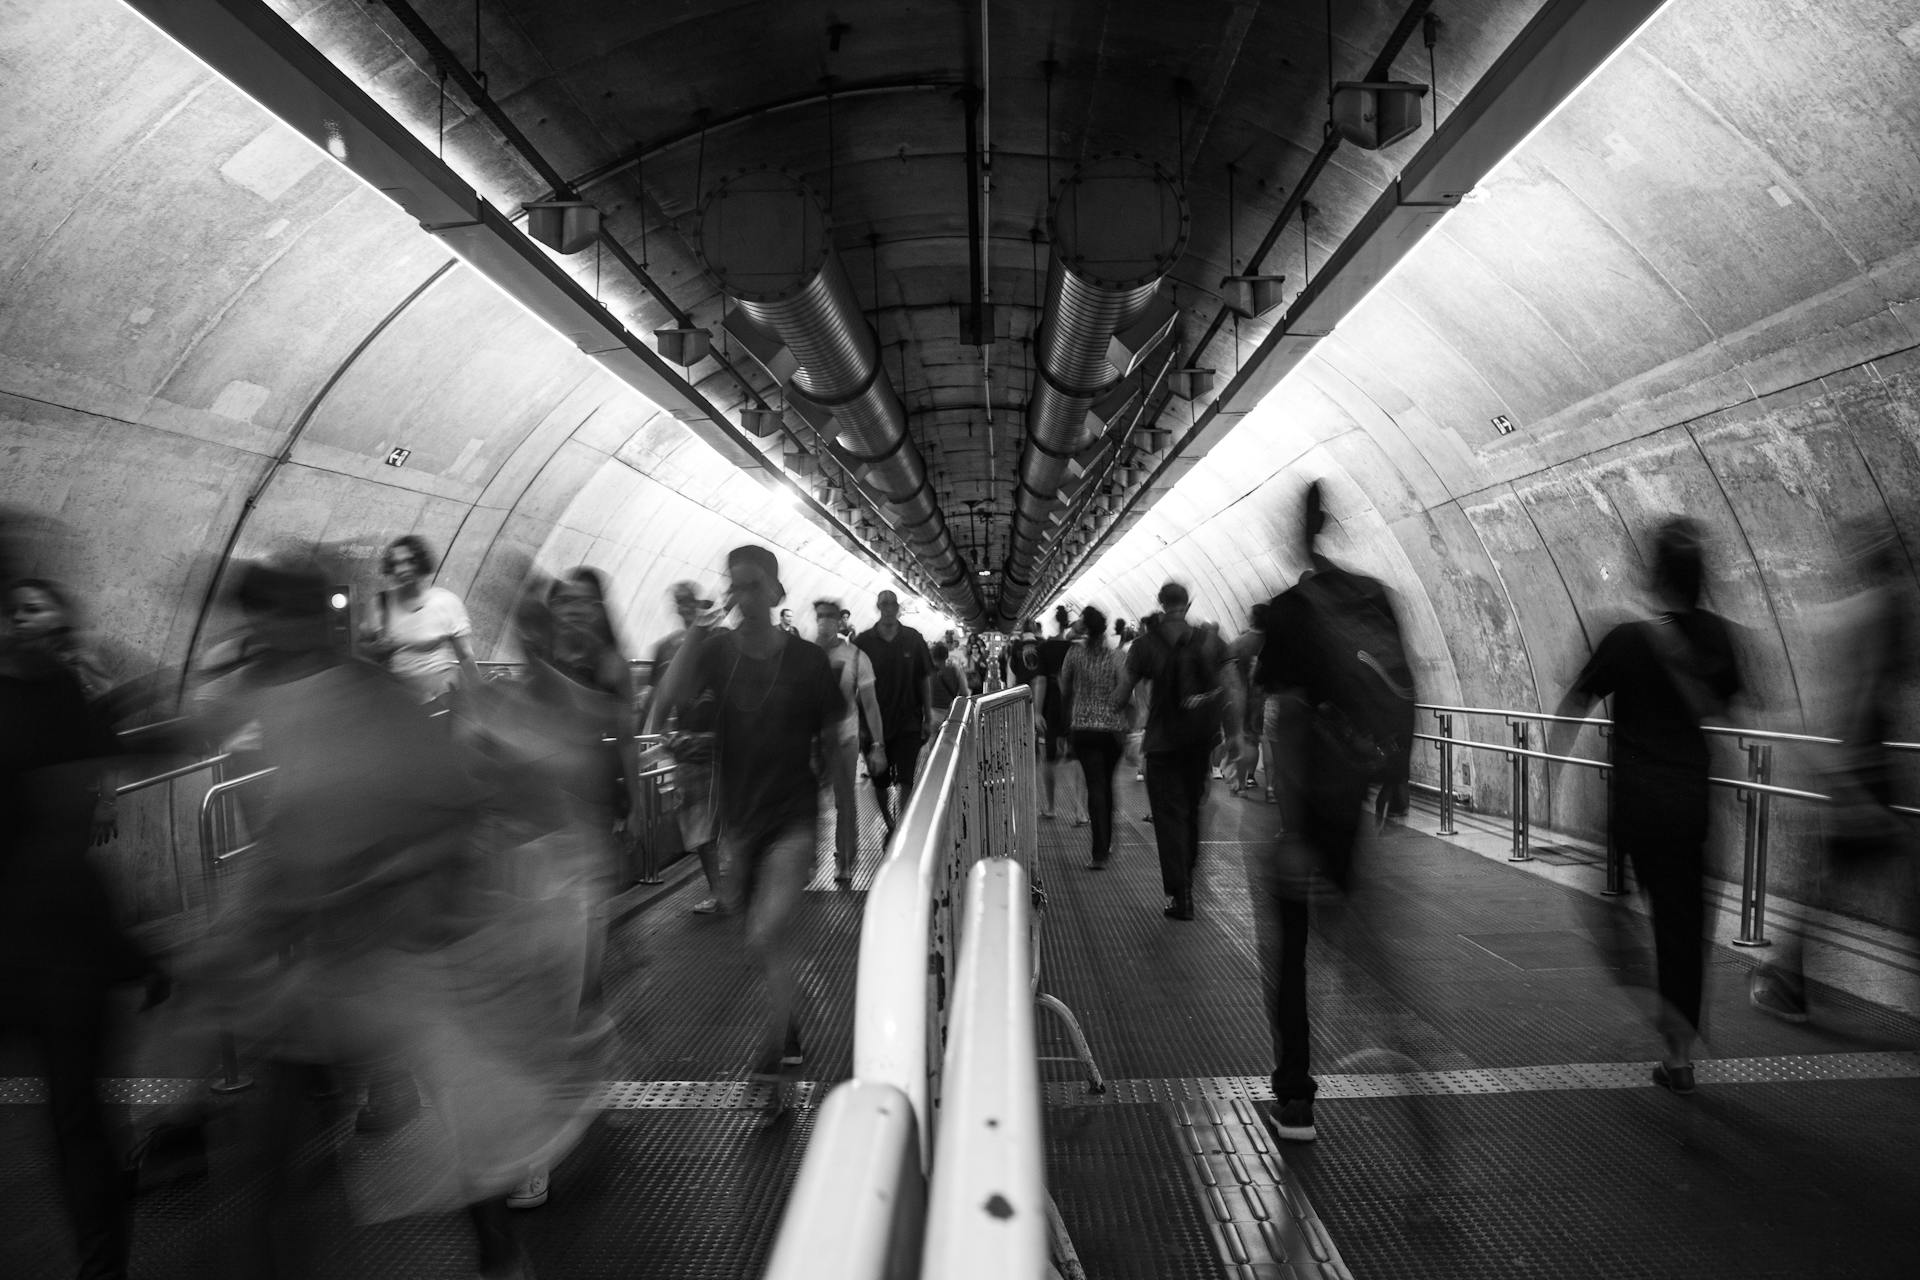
<point x="1695" y="290"/>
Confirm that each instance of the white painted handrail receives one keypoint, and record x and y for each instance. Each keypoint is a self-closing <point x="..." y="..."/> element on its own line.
<point x="987" y="1201"/>
<point x="977" y="795"/>
<point x="858" y="1203"/>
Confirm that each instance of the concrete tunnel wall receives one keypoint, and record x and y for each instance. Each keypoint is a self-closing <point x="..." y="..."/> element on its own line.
<point x="1693" y="292"/>
<point x="188" y="291"/>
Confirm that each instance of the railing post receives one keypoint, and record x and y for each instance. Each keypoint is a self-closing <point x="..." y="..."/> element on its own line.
<point x="1616" y="881"/>
<point x="1446" y="774"/>
<point x="1753" y="875"/>
<point x="1520" y="773"/>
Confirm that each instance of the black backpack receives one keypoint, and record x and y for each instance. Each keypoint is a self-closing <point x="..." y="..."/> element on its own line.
<point x="1355" y="672"/>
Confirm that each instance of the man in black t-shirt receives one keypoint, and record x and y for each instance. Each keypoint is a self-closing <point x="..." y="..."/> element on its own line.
<point x="1666" y="675"/>
<point x="903" y="683"/>
<point x="776" y="697"/>
<point x="1191" y="697"/>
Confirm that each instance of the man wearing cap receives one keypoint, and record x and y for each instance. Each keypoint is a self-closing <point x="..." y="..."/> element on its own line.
<point x="775" y="700"/>
<point x="693" y="769"/>
<point x="903" y="683"/>
<point x="853" y="672"/>
<point x="1190" y="698"/>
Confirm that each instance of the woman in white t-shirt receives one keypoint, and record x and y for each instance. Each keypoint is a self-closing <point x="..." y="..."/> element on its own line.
<point x="421" y="632"/>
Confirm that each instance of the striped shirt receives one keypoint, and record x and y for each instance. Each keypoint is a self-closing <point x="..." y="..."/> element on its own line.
<point x="1093" y="678"/>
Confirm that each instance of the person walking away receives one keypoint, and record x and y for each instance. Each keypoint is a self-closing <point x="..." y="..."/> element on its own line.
<point x="1667" y="675"/>
<point x="903" y="683"/>
<point x="853" y="674"/>
<point x="691" y="746"/>
<point x="1332" y="648"/>
<point x="421" y="632"/>
<point x="776" y="701"/>
<point x="1089" y="678"/>
<point x="948" y="682"/>
<point x="1190" y="699"/>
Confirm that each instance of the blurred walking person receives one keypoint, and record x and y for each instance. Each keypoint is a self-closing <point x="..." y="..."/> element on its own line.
<point x="382" y="919"/>
<point x="62" y="949"/>
<point x="691" y="745"/>
<point x="1190" y="700"/>
<point x="1667" y="676"/>
<point x="1865" y="838"/>
<point x="776" y="702"/>
<point x="903" y="683"/>
<point x="853" y="673"/>
<point x="1089" y="680"/>
<point x="1332" y="647"/>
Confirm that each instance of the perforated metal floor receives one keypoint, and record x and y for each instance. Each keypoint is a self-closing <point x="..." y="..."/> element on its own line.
<point x="1483" y="1043"/>
<point x="1482" y="1048"/>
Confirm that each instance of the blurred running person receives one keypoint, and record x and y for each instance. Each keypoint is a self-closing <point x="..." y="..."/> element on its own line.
<point x="853" y="673"/>
<point x="1667" y="675"/>
<point x="691" y="745"/>
<point x="776" y="702"/>
<point x="903" y="683"/>
<point x="420" y="631"/>
<point x="1089" y="678"/>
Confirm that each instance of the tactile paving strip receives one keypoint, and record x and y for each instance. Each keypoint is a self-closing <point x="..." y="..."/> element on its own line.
<point x="1261" y="1215"/>
<point x="1568" y="1075"/>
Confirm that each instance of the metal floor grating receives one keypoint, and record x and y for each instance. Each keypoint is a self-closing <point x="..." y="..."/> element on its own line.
<point x="1417" y="1020"/>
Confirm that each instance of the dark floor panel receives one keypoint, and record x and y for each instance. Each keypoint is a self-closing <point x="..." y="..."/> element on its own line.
<point x="1807" y="1179"/>
<point x="1119" y="1179"/>
<point x="671" y="1193"/>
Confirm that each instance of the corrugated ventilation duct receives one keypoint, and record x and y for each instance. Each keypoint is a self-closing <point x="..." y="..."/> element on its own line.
<point x="766" y="240"/>
<point x="1118" y="225"/>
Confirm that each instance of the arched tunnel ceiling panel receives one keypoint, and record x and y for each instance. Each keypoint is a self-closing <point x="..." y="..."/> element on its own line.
<point x="110" y="486"/>
<point x="1515" y="349"/>
<point x="460" y="377"/>
<point x="1643" y="146"/>
<point x="1527" y="232"/>
<point x="1855" y="155"/>
<point x="222" y="196"/>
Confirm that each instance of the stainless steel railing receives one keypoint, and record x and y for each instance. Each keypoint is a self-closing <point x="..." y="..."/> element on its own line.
<point x="1757" y="791"/>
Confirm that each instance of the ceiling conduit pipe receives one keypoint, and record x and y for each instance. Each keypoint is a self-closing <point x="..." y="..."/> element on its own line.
<point x="1118" y="224"/>
<point x="767" y="242"/>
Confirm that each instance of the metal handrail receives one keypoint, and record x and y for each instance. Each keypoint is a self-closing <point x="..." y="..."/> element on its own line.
<point x="1509" y="715"/>
<point x="1510" y="750"/>
<point x="142" y="784"/>
<point x="938" y="1021"/>
<point x="987" y="1198"/>
<point x="1757" y="791"/>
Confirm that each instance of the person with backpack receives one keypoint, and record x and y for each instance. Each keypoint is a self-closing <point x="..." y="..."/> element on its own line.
<point x="1666" y="675"/>
<point x="1192" y="696"/>
<point x="1331" y="647"/>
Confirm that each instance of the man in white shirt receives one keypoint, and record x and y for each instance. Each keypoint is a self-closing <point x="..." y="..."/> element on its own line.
<point x="854" y="672"/>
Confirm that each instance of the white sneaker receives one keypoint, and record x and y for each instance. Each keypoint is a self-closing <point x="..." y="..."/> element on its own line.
<point x="530" y="1194"/>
